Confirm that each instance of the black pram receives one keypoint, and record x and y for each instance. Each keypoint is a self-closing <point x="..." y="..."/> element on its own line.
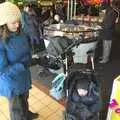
<point x="82" y="107"/>
<point x="55" y="47"/>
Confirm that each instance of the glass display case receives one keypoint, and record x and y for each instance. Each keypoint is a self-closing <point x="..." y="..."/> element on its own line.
<point x="72" y="31"/>
<point x="75" y="32"/>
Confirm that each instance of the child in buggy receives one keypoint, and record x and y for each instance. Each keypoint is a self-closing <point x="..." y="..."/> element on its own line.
<point x="83" y="100"/>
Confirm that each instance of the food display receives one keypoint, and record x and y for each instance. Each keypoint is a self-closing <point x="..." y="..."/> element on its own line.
<point x="88" y="35"/>
<point x="91" y="19"/>
<point x="76" y="28"/>
<point x="72" y="31"/>
<point x="46" y="3"/>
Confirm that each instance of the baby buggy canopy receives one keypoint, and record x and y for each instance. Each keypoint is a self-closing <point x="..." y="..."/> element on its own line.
<point x="83" y="98"/>
<point x="56" y="45"/>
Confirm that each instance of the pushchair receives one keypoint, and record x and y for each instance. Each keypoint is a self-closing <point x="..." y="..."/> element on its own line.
<point x="86" y="107"/>
<point x="82" y="107"/>
<point x="51" y="60"/>
<point x="59" y="48"/>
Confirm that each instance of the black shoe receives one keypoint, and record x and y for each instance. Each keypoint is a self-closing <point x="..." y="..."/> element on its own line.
<point x="32" y="115"/>
<point x="100" y="58"/>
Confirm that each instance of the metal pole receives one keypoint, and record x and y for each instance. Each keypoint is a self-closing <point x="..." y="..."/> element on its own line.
<point x="75" y="4"/>
<point x="68" y="10"/>
<point x="71" y="5"/>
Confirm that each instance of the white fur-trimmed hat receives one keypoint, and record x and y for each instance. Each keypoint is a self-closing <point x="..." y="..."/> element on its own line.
<point x="9" y="12"/>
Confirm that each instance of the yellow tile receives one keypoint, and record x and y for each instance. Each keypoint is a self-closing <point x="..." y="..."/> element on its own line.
<point x="47" y="100"/>
<point x="33" y="86"/>
<point x="37" y="106"/>
<point x="8" y="118"/>
<point x="62" y="108"/>
<point x="54" y="106"/>
<point x="59" y="113"/>
<point x="31" y="109"/>
<point x="40" y="95"/>
<point x="54" y="117"/>
<point x="3" y="100"/>
<point x="2" y="117"/>
<point x="32" y="100"/>
<point x="6" y="112"/>
<point x="4" y="106"/>
<point x="34" y="91"/>
<point x="39" y="102"/>
<point x="31" y="95"/>
<point x="45" y="112"/>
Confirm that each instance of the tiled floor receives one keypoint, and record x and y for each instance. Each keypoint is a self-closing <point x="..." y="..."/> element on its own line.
<point x="39" y="102"/>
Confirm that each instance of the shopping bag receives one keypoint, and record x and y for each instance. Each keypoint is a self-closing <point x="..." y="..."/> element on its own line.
<point x="57" y="90"/>
<point x="114" y="104"/>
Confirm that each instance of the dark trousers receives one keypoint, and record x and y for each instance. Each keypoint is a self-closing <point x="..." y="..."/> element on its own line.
<point x="18" y="106"/>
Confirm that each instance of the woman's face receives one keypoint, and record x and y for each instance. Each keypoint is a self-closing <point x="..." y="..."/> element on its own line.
<point x="13" y="26"/>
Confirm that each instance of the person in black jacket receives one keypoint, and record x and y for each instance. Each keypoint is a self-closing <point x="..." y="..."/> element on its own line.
<point x="109" y="21"/>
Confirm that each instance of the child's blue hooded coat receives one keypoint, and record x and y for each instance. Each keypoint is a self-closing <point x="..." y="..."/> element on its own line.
<point x="15" y="56"/>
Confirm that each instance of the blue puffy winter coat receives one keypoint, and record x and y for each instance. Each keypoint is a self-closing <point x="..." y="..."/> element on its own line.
<point x="15" y="56"/>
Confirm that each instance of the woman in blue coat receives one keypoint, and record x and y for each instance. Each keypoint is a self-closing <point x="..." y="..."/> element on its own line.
<point x="15" y="56"/>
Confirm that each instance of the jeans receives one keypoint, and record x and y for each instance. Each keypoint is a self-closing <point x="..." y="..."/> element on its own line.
<point x="106" y="49"/>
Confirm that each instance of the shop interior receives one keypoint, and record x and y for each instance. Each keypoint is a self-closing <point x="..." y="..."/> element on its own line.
<point x="78" y="21"/>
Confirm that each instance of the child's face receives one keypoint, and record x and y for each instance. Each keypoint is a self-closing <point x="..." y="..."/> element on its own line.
<point x="82" y="92"/>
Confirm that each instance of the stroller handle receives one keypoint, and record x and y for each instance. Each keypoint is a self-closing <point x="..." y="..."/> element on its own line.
<point x="75" y="43"/>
